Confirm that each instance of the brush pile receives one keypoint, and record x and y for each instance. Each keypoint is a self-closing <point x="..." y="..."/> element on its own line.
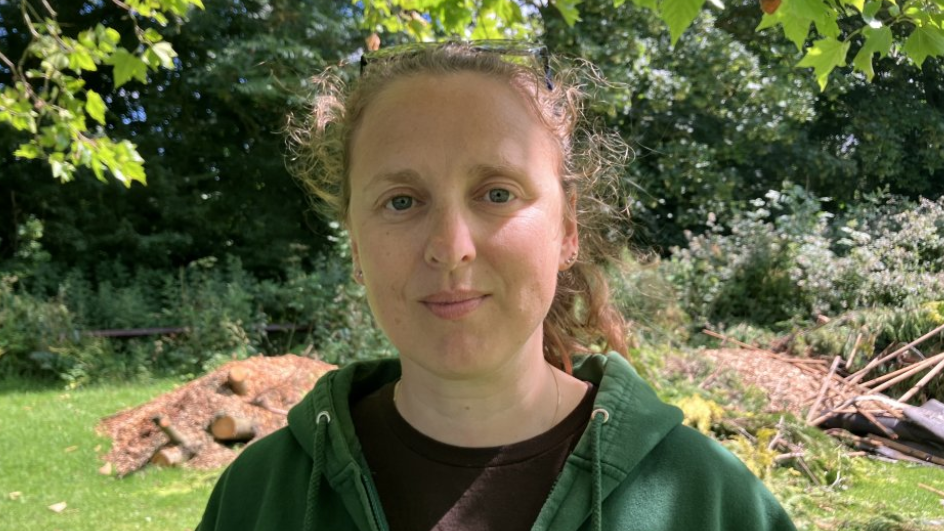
<point x="199" y="424"/>
<point x="852" y="405"/>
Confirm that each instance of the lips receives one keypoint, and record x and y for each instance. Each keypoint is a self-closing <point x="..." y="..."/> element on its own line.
<point x="453" y="305"/>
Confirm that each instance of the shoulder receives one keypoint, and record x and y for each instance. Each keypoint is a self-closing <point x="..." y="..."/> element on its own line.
<point x="701" y="482"/>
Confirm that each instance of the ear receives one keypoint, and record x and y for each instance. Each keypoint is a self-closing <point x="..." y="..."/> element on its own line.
<point x="570" y="243"/>
<point x="356" y="270"/>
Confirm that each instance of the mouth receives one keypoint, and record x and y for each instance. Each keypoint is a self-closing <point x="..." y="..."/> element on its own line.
<point x="453" y="305"/>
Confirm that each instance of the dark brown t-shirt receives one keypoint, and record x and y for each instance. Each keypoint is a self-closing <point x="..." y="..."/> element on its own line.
<point x="425" y="484"/>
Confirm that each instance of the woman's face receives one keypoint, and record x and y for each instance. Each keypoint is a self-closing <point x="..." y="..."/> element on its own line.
<point x="457" y="220"/>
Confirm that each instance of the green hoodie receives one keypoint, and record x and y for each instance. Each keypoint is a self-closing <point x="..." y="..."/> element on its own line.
<point x="636" y="467"/>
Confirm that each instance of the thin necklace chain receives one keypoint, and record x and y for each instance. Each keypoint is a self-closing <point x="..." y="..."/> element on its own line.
<point x="396" y="394"/>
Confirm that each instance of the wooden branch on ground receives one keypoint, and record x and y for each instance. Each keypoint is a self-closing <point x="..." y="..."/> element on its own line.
<point x="931" y="489"/>
<point x="260" y="401"/>
<point x="725" y="339"/>
<point x="880" y="360"/>
<point x="231" y="428"/>
<point x="164" y="423"/>
<point x="822" y="391"/>
<point x="874" y="421"/>
<point x="924" y="381"/>
<point x="910" y="369"/>
<point x="915" y="369"/>
<point x="875" y="440"/>
<point x="852" y="353"/>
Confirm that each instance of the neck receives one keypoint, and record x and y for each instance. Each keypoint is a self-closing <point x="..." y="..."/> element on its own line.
<point x="522" y="400"/>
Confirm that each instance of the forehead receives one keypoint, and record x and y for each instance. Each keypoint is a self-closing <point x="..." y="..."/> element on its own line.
<point x="429" y="107"/>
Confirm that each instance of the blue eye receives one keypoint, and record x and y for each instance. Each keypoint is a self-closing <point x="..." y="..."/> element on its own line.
<point x="499" y="195"/>
<point x="400" y="202"/>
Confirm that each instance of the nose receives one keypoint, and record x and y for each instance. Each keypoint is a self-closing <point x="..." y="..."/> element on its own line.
<point x="450" y="243"/>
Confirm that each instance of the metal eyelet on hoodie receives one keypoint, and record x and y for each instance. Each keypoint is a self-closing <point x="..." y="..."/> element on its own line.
<point x="606" y="414"/>
<point x="325" y="415"/>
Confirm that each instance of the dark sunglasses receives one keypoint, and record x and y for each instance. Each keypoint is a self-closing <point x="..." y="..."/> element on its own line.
<point x="519" y="52"/>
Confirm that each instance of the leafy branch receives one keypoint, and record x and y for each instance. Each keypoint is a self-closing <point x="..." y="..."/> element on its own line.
<point x="51" y="102"/>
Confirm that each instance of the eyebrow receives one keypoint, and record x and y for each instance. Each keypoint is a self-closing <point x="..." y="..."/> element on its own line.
<point x="405" y="176"/>
<point x="488" y="170"/>
<point x="409" y="176"/>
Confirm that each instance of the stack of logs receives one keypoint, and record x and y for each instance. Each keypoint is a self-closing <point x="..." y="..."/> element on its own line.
<point x="225" y="428"/>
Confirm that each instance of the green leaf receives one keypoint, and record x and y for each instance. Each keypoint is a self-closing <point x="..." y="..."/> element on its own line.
<point x="80" y="59"/>
<point x="618" y="3"/>
<point x="568" y="10"/>
<point x="679" y="14"/>
<point x="793" y="18"/>
<point x="127" y="67"/>
<point x="871" y="9"/>
<point x="858" y="4"/>
<point x="877" y="40"/>
<point x="28" y="151"/>
<point x="95" y="106"/>
<point x="824" y="56"/>
<point x="925" y="41"/>
<point x="163" y="54"/>
<point x="151" y="35"/>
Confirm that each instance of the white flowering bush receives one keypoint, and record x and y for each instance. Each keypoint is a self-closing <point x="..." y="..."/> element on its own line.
<point x="788" y="259"/>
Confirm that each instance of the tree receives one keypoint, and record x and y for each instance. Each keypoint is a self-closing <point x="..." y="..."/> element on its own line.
<point x="211" y="131"/>
<point x="46" y="94"/>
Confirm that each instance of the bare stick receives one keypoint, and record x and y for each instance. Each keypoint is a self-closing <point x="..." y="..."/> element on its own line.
<point x="911" y="369"/>
<point x="855" y="349"/>
<point x="822" y="390"/>
<point x="918" y="367"/>
<point x="924" y="381"/>
<point x="871" y="418"/>
<point x="712" y="333"/>
<point x="931" y="489"/>
<point x="175" y="436"/>
<point x="878" y="361"/>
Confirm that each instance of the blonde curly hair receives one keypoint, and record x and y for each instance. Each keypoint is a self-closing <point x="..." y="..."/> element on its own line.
<point x="591" y="162"/>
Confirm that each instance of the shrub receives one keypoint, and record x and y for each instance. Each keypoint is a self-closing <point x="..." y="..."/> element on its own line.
<point x="223" y="308"/>
<point x="788" y="259"/>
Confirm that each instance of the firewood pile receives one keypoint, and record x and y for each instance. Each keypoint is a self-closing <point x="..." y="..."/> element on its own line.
<point x="852" y="406"/>
<point x="198" y="424"/>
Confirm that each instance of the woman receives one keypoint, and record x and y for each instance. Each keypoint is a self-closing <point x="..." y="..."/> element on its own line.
<point x="466" y="187"/>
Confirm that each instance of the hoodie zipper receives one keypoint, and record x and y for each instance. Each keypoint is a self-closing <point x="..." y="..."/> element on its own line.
<point x="373" y="499"/>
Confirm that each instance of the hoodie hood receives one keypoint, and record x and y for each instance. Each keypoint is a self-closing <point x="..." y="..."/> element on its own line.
<point x="628" y="422"/>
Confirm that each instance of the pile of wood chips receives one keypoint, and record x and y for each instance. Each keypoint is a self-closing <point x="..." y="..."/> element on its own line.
<point x="269" y="387"/>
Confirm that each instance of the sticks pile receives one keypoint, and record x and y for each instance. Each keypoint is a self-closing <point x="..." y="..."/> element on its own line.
<point x="852" y="407"/>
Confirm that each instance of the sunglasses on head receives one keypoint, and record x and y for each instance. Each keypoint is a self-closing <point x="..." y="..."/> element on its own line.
<point x="519" y="52"/>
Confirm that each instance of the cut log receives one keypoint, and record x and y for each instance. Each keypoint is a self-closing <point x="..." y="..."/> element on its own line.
<point x="237" y="380"/>
<point x="230" y="428"/>
<point x="171" y="456"/>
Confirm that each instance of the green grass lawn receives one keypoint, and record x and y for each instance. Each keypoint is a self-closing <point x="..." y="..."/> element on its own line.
<point x="49" y="454"/>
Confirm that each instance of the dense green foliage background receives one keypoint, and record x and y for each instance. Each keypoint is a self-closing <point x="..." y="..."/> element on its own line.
<point x="747" y="180"/>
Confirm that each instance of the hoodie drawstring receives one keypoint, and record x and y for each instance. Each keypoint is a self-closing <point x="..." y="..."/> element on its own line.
<point x="314" y="484"/>
<point x="598" y="418"/>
